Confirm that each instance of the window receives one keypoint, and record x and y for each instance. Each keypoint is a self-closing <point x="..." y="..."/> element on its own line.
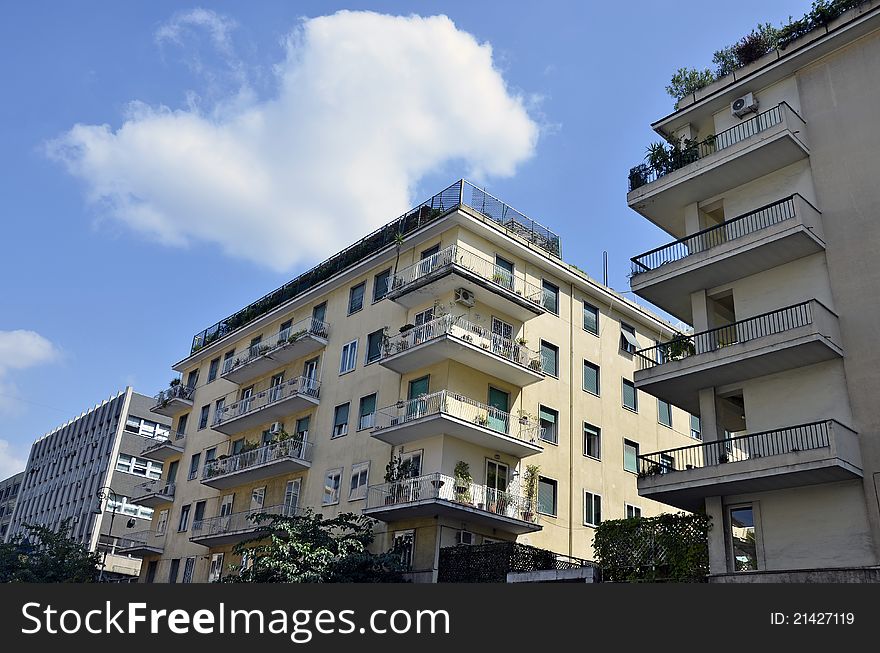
<point x="194" y="466"/>
<point x="633" y="511"/>
<point x="591" y="319"/>
<point x="291" y="497"/>
<point x="331" y="487"/>
<point x="503" y="275"/>
<point x="138" y="466"/>
<point x="192" y="378"/>
<point x="188" y="569"/>
<point x="631" y="456"/>
<point x="210" y="455"/>
<point x="404" y="545"/>
<point x="258" y="498"/>
<point x="696" y="430"/>
<point x="151" y="571"/>
<point x="123" y="505"/>
<point x="367" y="412"/>
<point x="181" y="425"/>
<point x="173" y="570"/>
<point x="549" y="419"/>
<point x="374" y="346"/>
<point x="356" y="297"/>
<point x="667" y="463"/>
<point x="237" y="446"/>
<point x="199" y="513"/>
<point x="216" y="570"/>
<point x="203" y="416"/>
<point x="592" y="441"/>
<point x="630" y="396"/>
<point x="360" y="475"/>
<point x="550" y="299"/>
<point x="380" y="284"/>
<point x="591" y="378"/>
<point x="549" y="358"/>
<point x="183" y="524"/>
<point x="664" y="413"/>
<point x="171" y="476"/>
<point x="213" y="369"/>
<point x="340" y="420"/>
<point x="219" y="407"/>
<point x="227" y="360"/>
<point x="592" y="509"/>
<point x="349" y="357"/>
<point x="302" y="428"/>
<point x="162" y="522"/>
<point x="547" y="496"/>
<point x="628" y="342"/>
<point x="743" y="545"/>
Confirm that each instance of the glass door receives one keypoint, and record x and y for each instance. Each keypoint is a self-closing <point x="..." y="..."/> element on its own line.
<point x="503" y="275"/>
<point x="247" y="398"/>
<point x="319" y="315"/>
<point x="417" y="407"/>
<point x="276" y="388"/>
<point x="496" y="486"/>
<point x="291" y="497"/>
<point x="502" y="338"/>
<point x="499" y="401"/>
<point x="310" y="374"/>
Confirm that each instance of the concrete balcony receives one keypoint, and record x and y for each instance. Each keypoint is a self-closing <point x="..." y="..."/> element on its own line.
<point x="173" y="400"/>
<point x="747" y="151"/>
<point x="236" y="527"/>
<point x="268" y="405"/>
<point x="296" y="341"/>
<point x="141" y="544"/>
<point x="440" y="495"/>
<point x="451" y="338"/>
<point x="766" y="238"/>
<point x="781" y="340"/>
<point x="276" y="459"/>
<point x="449" y="413"/>
<point x="821" y="452"/>
<point x="456" y="267"/>
<point x="162" y="450"/>
<point x="153" y="493"/>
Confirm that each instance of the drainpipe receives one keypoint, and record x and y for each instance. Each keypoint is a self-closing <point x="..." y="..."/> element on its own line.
<point x="571" y="421"/>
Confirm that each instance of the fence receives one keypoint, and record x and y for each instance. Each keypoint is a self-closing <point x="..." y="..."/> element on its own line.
<point x="490" y="563"/>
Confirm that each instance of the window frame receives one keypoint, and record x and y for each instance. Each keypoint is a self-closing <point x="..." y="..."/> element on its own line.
<point x="351" y="294"/>
<point x="361" y="415"/>
<point x="660" y="421"/>
<point x="356" y="470"/>
<point x="598" y="434"/>
<point x="338" y="472"/>
<point x="548" y="409"/>
<point x="367" y="360"/>
<point x="628" y="507"/>
<point x="588" y="307"/>
<point x="336" y="424"/>
<point x="555" y="292"/>
<point x="594" y="496"/>
<point x="555" y="349"/>
<point x="376" y="296"/>
<point x="555" y="484"/>
<point x="348" y="354"/>
<point x="623" y="384"/>
<point x="635" y="445"/>
<point x="598" y="370"/>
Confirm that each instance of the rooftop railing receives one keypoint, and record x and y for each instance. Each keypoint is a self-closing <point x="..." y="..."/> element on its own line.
<point x="461" y="193"/>
<point x="293" y="448"/>
<point x="299" y="385"/>
<point x="293" y="333"/>
<point x="238" y="521"/>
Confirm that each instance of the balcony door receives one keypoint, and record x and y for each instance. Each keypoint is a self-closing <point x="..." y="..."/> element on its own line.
<point x="247" y="398"/>
<point x="497" y="475"/>
<point x="291" y="497"/>
<point x="310" y="374"/>
<point x="276" y="388"/>
<point x="319" y="314"/>
<point x="502" y="337"/>
<point x="226" y="511"/>
<point x="258" y="497"/>
<point x="499" y="402"/>
<point x="416" y="406"/>
<point x="503" y="272"/>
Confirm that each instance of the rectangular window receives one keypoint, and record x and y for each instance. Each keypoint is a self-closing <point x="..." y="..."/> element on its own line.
<point x="743" y="538"/>
<point x="213" y="369"/>
<point x="237" y="446"/>
<point x="592" y="441"/>
<point x="188" y="568"/>
<point x="203" y="416"/>
<point x="219" y="408"/>
<point x="174" y="570"/>
<point x="356" y="297"/>
<point x="592" y="509"/>
<point x="404" y="545"/>
<point x="631" y="456"/>
<point x="348" y="360"/>
<point x="633" y="511"/>
<point x="258" y="498"/>
<point x="591" y="378"/>
<point x="210" y="455"/>
<point x="374" y="346"/>
<point x="591" y="319"/>
<point x="547" y="496"/>
<point x="360" y="476"/>
<point x="550" y="297"/>
<point x="549" y="358"/>
<point x="216" y="571"/>
<point x="664" y="413"/>
<point x="199" y="513"/>
<point x="628" y="342"/>
<point x="183" y="524"/>
<point x="380" y="284"/>
<point x="549" y="420"/>
<point x="367" y="412"/>
<point x="331" y="487"/>
<point x="302" y="427"/>
<point x="194" y="466"/>
<point x="696" y="429"/>
<point x="181" y="426"/>
<point x="192" y="378"/>
<point x="630" y="396"/>
<point x="340" y="420"/>
<point x="162" y="522"/>
<point x="227" y="360"/>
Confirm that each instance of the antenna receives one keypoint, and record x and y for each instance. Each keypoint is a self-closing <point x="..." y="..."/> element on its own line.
<point x="605" y="267"/>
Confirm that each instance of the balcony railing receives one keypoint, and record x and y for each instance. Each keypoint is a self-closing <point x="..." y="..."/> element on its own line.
<point x="477" y="265"/>
<point x="299" y="385"/>
<point x="156" y="487"/>
<point x="461" y="407"/>
<point x="294" y="448"/>
<point x="714" y="236"/>
<point x="644" y="174"/>
<point x="238" y="521"/>
<point x="804" y="437"/>
<point x="760" y="326"/>
<point x="179" y="391"/>
<point x="139" y="539"/>
<point x="462" y="329"/>
<point x="290" y="335"/>
<point x="439" y="487"/>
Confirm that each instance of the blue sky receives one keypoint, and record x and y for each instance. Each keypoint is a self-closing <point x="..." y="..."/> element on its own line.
<point x="120" y="244"/>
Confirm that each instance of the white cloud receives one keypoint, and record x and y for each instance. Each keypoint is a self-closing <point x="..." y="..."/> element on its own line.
<point x="364" y="107"/>
<point x="20" y="350"/>
<point x="219" y="28"/>
<point x="11" y="462"/>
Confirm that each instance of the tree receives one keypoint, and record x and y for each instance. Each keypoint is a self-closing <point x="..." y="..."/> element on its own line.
<point x="46" y="556"/>
<point x="306" y="548"/>
<point x="688" y="80"/>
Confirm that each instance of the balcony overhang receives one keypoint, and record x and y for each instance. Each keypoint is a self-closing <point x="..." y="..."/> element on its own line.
<point x="270" y="469"/>
<point x="277" y="357"/>
<point x="172" y="407"/>
<point x="162" y="451"/>
<point x="153" y="499"/>
<point x="433" y="507"/>
<point x="274" y="411"/>
<point x="449" y="347"/>
<point x="225" y="538"/>
<point x="140" y="549"/>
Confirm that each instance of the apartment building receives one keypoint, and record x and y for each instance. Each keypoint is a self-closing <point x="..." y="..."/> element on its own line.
<point x="773" y="202"/>
<point x="9" y="488"/>
<point x="454" y="342"/>
<point x="87" y="471"/>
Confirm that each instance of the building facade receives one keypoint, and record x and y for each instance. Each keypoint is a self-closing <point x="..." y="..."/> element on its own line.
<point x="84" y="474"/>
<point x="421" y="377"/>
<point x="773" y="201"/>
<point x="8" y="495"/>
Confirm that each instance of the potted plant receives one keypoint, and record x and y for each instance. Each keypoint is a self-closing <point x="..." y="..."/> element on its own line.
<point x="463" y="480"/>
<point x="174" y="382"/>
<point x="522" y="341"/>
<point x="481" y="420"/>
<point x="679" y="347"/>
<point x="397" y="471"/>
<point x="530" y="490"/>
<point x="525" y="417"/>
<point x="406" y="327"/>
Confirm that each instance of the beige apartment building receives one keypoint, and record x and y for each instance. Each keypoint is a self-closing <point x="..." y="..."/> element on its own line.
<point x="456" y="340"/>
<point x="774" y="203"/>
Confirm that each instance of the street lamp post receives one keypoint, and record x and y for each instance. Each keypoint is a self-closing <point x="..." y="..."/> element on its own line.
<point x="102" y="494"/>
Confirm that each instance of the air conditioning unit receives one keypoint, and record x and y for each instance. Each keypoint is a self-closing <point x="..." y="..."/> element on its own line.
<point x="464" y="537"/>
<point x="743" y="105"/>
<point x="464" y="296"/>
<point x="275" y="428"/>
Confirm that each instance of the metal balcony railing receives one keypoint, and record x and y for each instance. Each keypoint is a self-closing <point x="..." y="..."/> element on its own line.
<point x="299" y="385"/>
<point x="477" y="265"/>
<point x="293" y="333"/>
<point x="132" y="540"/>
<point x="706" y="239"/>
<point x="159" y="486"/>
<point x="179" y="391"/>
<point x="293" y="448"/>
<point x="462" y="329"/>
<point x="464" y="408"/>
<point x="804" y="437"/>
<point x="760" y="326"/>
<point x="239" y="521"/>
<point x="643" y="174"/>
<point x="438" y="486"/>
